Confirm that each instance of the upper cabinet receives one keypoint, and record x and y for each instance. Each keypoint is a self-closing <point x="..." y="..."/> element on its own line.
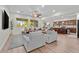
<point x="65" y="23"/>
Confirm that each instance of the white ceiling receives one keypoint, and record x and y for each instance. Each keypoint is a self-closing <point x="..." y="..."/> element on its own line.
<point x="48" y="11"/>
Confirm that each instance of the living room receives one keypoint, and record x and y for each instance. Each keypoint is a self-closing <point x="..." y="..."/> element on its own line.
<point x="39" y="28"/>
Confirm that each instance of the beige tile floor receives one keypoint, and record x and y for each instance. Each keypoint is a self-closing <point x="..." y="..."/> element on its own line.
<point x="64" y="44"/>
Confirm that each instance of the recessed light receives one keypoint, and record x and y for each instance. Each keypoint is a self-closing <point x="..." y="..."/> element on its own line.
<point x="62" y="17"/>
<point x="57" y="14"/>
<point x="18" y="11"/>
<point x="53" y="10"/>
<point x="43" y="6"/>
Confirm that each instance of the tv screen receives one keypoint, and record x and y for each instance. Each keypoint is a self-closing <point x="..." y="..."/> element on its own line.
<point x="5" y="20"/>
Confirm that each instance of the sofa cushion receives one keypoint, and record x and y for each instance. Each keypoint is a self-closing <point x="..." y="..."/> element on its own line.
<point x="17" y="41"/>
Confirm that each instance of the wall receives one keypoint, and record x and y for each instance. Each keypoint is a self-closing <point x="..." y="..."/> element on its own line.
<point x="40" y="23"/>
<point x="4" y="34"/>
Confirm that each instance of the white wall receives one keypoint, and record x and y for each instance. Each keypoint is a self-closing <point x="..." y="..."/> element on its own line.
<point x="4" y="34"/>
<point x="40" y="23"/>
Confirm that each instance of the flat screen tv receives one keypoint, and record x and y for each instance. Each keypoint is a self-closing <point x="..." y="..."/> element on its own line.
<point x="5" y="20"/>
